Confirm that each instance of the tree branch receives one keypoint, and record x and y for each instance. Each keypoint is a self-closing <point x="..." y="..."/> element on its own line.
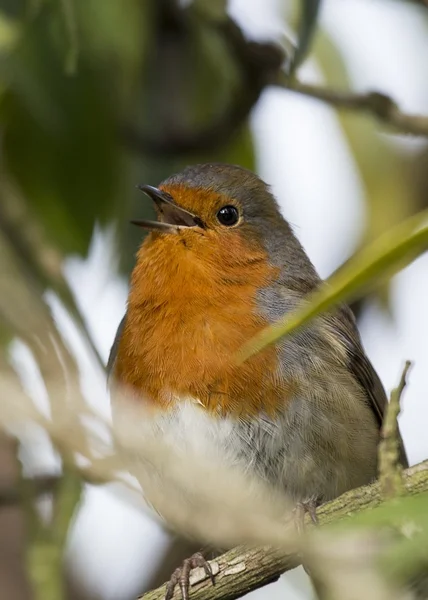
<point x="240" y="571"/>
<point x="378" y="104"/>
<point x="390" y="470"/>
<point x="258" y="63"/>
<point x="423" y="3"/>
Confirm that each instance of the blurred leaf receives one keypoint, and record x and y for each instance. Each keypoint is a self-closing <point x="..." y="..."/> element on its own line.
<point x="39" y="261"/>
<point x="114" y="38"/>
<point x="59" y="140"/>
<point x="407" y="552"/>
<point x="240" y="151"/>
<point x="388" y="194"/>
<point x="384" y="257"/>
<point x="6" y="335"/>
<point x="380" y="166"/>
<point x="73" y="43"/>
<point x="216" y="10"/>
<point x="308" y="21"/>
<point x="15" y="9"/>
<point x="393" y="513"/>
<point x="192" y="62"/>
<point x="216" y="75"/>
<point x="10" y="30"/>
<point x="416" y="175"/>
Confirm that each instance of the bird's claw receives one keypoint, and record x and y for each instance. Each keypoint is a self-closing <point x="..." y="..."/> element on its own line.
<point x="301" y="509"/>
<point x="181" y="575"/>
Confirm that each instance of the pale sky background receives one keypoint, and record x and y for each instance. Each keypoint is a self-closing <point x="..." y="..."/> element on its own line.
<point x="303" y="155"/>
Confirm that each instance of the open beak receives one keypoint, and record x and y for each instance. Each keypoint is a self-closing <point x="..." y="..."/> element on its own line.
<point x="171" y="216"/>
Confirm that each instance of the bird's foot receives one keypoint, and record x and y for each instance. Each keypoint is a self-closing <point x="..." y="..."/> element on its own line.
<point x="181" y="575"/>
<point x="310" y="507"/>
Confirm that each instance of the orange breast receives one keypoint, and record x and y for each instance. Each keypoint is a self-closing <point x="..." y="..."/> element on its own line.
<point x="192" y="304"/>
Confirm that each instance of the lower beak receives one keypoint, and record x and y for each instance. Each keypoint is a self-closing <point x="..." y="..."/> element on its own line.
<point x="171" y="216"/>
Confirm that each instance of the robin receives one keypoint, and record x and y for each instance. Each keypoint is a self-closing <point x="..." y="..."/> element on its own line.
<point x="220" y="264"/>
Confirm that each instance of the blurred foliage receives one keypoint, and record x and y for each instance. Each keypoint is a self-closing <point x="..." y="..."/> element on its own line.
<point x="58" y="134"/>
<point x="96" y="97"/>
<point x="308" y="14"/>
<point x="75" y="74"/>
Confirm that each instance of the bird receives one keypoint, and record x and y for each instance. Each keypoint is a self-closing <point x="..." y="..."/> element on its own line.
<point x="218" y="265"/>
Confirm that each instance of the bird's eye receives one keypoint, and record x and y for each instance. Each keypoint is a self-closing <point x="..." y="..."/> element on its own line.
<point x="228" y="215"/>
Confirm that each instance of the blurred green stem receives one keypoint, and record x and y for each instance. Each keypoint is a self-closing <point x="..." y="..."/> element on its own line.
<point x="46" y="571"/>
<point x="47" y="542"/>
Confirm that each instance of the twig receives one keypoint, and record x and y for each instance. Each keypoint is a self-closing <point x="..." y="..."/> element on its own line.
<point x="376" y="103"/>
<point x="423" y="3"/>
<point x="390" y="471"/>
<point x="40" y="259"/>
<point x="258" y="65"/>
<point x="40" y="485"/>
<point x="240" y="571"/>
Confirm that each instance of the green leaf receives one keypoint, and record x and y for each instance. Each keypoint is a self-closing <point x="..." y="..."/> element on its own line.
<point x="388" y="254"/>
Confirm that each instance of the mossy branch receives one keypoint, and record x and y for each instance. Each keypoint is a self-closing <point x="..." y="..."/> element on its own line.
<point x="240" y="571"/>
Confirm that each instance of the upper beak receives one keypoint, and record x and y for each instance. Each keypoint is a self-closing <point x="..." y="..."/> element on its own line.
<point x="172" y="216"/>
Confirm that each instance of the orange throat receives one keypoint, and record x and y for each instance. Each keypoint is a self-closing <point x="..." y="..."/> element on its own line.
<point x="191" y="306"/>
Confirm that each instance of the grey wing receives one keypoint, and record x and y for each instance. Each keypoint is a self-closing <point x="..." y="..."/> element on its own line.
<point x="363" y="370"/>
<point x="114" y="348"/>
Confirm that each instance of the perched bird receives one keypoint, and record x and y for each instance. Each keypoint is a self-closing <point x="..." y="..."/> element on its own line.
<point x="220" y="264"/>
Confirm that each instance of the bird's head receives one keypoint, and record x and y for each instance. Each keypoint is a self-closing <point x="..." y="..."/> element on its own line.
<point x="224" y="214"/>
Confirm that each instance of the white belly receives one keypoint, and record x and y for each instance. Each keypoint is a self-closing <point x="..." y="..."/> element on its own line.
<point x="190" y="429"/>
<point x="291" y="456"/>
<point x="197" y="472"/>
